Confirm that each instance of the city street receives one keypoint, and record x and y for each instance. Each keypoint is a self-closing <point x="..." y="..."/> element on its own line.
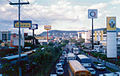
<point x="59" y="37"/>
<point x="66" y="73"/>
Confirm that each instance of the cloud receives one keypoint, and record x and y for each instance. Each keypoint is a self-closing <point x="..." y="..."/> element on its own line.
<point x="114" y="2"/>
<point x="62" y="16"/>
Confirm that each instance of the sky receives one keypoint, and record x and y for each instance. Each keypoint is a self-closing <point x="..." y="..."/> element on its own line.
<point x="60" y="14"/>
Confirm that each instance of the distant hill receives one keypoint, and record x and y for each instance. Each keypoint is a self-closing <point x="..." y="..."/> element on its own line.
<point x="60" y="31"/>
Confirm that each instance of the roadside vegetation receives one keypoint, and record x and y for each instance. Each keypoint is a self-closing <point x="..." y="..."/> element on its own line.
<point x="39" y="63"/>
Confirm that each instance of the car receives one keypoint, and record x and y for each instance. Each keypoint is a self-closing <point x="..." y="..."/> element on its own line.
<point x="111" y="74"/>
<point x="61" y="61"/>
<point x="28" y="48"/>
<point x="59" y="65"/>
<point x="59" y="71"/>
<point x="1" y="75"/>
<point x="100" y="66"/>
<point x="62" y="58"/>
<point x="64" y="52"/>
<point x="53" y="74"/>
<point x="92" y="71"/>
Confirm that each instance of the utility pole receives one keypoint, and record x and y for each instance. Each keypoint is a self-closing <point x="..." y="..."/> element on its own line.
<point x="92" y="35"/>
<point x="92" y="14"/>
<point x="19" y="50"/>
<point x="33" y="37"/>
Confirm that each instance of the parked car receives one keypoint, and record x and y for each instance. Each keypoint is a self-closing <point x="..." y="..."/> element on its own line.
<point x="111" y="74"/>
<point x="99" y="66"/>
<point x="59" y="65"/>
<point x="60" y="71"/>
<point x="92" y="71"/>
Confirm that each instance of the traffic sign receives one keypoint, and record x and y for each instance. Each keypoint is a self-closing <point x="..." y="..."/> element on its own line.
<point x="34" y="26"/>
<point x="111" y="23"/>
<point x="92" y="13"/>
<point x="23" y="23"/>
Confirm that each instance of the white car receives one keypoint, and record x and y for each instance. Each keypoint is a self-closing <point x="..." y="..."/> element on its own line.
<point x="61" y="61"/>
<point x="100" y="67"/>
<point x="92" y="71"/>
<point x="59" y="65"/>
<point x="53" y="74"/>
<point x="111" y="74"/>
<point x="60" y="71"/>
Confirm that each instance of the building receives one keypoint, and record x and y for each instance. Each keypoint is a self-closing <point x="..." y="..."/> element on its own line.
<point x="15" y="40"/>
<point x="5" y="36"/>
<point x="85" y="35"/>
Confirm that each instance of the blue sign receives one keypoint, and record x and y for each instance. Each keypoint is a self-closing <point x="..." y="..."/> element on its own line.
<point x="92" y="13"/>
<point x="23" y="23"/>
<point x="34" y="26"/>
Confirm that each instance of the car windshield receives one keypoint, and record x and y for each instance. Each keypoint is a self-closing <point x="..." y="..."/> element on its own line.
<point x="59" y="65"/>
<point x="91" y="70"/>
<point x="101" y="65"/>
<point x="60" y="70"/>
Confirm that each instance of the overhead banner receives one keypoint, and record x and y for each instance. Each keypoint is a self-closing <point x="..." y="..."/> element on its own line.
<point x="111" y="23"/>
<point x="92" y="13"/>
<point x="34" y="26"/>
<point x="23" y="23"/>
<point x="47" y="27"/>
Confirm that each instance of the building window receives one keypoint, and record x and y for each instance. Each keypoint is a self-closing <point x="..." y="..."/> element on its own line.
<point x="4" y="37"/>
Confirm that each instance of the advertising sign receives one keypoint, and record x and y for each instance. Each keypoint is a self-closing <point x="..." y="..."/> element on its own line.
<point x="111" y="45"/>
<point x="101" y="35"/>
<point x="92" y="13"/>
<point x="47" y="27"/>
<point x="23" y="23"/>
<point x="95" y="35"/>
<point x="34" y="26"/>
<point x="111" y="23"/>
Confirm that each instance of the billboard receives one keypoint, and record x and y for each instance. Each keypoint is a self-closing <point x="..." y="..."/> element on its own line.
<point x="111" y="45"/>
<point x="23" y="23"/>
<point x="92" y="13"/>
<point x="47" y="27"/>
<point x="34" y="26"/>
<point x="101" y="35"/>
<point x="111" y="23"/>
<point x="95" y="35"/>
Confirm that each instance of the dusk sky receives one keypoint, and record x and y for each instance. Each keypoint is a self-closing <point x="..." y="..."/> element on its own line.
<point x="60" y="14"/>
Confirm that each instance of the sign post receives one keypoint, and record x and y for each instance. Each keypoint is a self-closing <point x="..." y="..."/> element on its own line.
<point x="19" y="50"/>
<point x="111" y="38"/>
<point x="47" y="27"/>
<point x="92" y="13"/>
<point x="34" y="27"/>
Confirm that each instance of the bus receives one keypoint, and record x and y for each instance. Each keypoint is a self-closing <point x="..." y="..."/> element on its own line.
<point x="84" y="60"/>
<point x="76" y="51"/>
<point x="14" y="59"/>
<point x="76" y="69"/>
<point x="71" y="56"/>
